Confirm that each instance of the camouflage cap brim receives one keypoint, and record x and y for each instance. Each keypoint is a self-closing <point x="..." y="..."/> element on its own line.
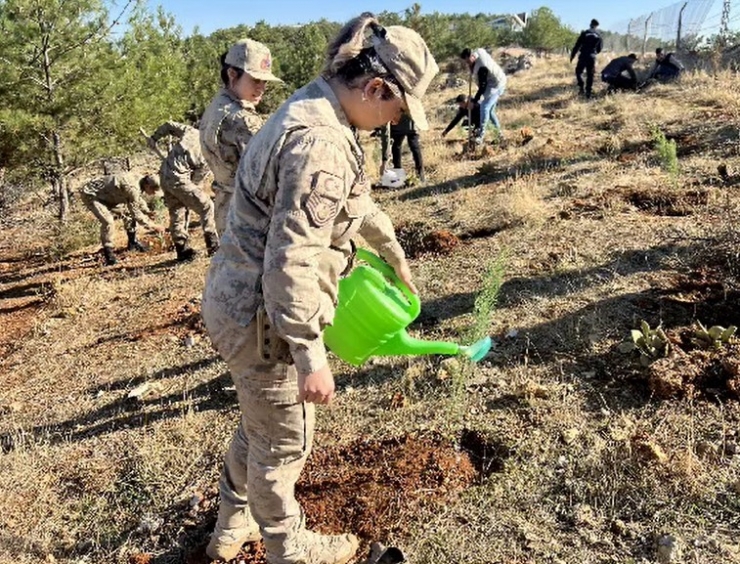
<point x="263" y="75"/>
<point x="416" y="109"/>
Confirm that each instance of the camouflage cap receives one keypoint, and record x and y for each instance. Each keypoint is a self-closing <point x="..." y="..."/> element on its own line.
<point x="407" y="56"/>
<point x="252" y="57"/>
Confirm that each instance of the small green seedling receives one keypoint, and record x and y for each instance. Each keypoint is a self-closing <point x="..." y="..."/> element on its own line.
<point x="650" y="343"/>
<point x="667" y="152"/>
<point x="714" y="337"/>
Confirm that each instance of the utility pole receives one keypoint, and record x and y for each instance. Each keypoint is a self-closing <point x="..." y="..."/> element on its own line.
<point x="724" y="26"/>
<point x="680" y="22"/>
<point x="645" y="37"/>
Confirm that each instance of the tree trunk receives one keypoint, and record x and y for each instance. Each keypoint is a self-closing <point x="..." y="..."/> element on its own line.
<point x="63" y="199"/>
<point x="59" y="183"/>
<point x="59" y="180"/>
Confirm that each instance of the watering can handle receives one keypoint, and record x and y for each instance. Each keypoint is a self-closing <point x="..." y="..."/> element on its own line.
<point x="387" y="270"/>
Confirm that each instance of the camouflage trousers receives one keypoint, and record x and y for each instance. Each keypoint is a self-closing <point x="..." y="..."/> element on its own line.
<point x="222" y="201"/>
<point x="274" y="436"/>
<point x="181" y="195"/>
<point x="106" y="215"/>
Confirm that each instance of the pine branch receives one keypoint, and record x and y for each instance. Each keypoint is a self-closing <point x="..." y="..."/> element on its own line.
<point x="105" y="30"/>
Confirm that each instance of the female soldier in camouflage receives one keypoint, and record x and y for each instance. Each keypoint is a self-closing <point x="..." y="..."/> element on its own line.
<point x="231" y="120"/>
<point x="301" y="195"/>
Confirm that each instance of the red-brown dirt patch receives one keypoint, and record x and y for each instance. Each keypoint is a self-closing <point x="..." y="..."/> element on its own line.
<point x="372" y="489"/>
<point x="417" y="240"/>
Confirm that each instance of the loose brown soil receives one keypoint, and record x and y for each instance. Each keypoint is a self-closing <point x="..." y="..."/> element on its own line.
<point x="417" y="240"/>
<point x="374" y="489"/>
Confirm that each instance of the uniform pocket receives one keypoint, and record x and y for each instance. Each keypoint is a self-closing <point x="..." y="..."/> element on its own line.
<point x="359" y="203"/>
<point x="272" y="413"/>
<point x="271" y="347"/>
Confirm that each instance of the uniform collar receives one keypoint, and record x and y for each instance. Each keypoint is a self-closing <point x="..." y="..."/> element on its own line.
<point x="243" y="103"/>
<point x="326" y="89"/>
<point x="349" y="131"/>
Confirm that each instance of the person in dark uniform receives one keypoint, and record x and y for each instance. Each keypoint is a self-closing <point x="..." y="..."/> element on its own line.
<point x="589" y="45"/>
<point x="667" y="67"/>
<point x="620" y="74"/>
<point x="462" y="114"/>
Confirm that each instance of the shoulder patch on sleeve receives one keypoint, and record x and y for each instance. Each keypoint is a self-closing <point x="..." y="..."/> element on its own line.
<point x="325" y="200"/>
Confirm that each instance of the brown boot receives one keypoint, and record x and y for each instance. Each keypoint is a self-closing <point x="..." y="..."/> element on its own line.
<point x="234" y="529"/>
<point x="184" y="253"/>
<point x="109" y="257"/>
<point x="212" y="243"/>
<point x="329" y="549"/>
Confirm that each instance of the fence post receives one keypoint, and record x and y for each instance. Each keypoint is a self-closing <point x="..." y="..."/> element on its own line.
<point x="645" y="37"/>
<point x="629" y="32"/>
<point x="680" y="23"/>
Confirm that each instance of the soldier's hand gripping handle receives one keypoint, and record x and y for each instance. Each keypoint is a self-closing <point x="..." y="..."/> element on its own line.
<point x="152" y="144"/>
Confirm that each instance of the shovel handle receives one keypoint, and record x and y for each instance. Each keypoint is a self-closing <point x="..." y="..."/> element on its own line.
<point x="387" y="270"/>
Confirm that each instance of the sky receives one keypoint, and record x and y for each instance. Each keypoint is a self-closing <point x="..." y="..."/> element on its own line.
<point x="216" y="14"/>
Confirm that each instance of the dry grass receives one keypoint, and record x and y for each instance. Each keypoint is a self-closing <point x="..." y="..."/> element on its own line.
<point x="589" y="467"/>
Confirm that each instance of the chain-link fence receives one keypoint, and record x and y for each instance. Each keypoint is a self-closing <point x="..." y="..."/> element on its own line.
<point x="672" y="26"/>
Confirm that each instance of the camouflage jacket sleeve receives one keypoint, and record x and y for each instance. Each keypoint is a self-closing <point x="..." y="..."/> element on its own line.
<point x="377" y="230"/>
<point x="236" y="132"/>
<point x="173" y="128"/>
<point x="313" y="177"/>
<point x="137" y="207"/>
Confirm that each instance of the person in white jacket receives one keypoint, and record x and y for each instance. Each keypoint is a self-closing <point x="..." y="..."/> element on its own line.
<point x="491" y="81"/>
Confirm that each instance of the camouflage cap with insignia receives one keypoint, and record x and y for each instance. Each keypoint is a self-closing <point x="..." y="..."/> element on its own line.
<point x="252" y="57"/>
<point x="408" y="58"/>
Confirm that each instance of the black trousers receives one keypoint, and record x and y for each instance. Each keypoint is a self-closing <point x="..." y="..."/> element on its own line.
<point x="414" y="145"/>
<point x="620" y="82"/>
<point x="587" y="64"/>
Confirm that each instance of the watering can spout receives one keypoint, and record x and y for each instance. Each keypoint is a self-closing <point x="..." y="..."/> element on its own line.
<point x="404" y="344"/>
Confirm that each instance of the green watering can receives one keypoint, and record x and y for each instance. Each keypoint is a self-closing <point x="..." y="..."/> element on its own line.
<point x="374" y="309"/>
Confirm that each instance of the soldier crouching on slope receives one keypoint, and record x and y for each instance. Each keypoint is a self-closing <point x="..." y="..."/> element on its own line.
<point x="119" y="194"/>
<point x="300" y="196"/>
<point x="181" y="171"/>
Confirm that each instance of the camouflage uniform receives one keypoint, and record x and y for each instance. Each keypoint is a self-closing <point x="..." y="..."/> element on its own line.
<point x="300" y="196"/>
<point x="225" y="129"/>
<point x="229" y="123"/>
<point x="179" y="175"/>
<point x="119" y="195"/>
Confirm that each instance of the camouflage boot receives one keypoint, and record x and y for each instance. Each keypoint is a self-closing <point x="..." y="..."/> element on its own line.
<point x="212" y="243"/>
<point x="184" y="253"/>
<point x="133" y="244"/>
<point x="109" y="257"/>
<point x="328" y="549"/>
<point x="234" y="529"/>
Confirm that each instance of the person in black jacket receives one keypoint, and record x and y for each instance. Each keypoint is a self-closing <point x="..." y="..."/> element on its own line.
<point x="667" y="67"/>
<point x="465" y="106"/>
<point x="404" y="129"/>
<point x="614" y="74"/>
<point x="589" y="45"/>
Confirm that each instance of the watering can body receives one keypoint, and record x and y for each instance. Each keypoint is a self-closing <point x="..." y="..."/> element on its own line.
<point x="374" y="308"/>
